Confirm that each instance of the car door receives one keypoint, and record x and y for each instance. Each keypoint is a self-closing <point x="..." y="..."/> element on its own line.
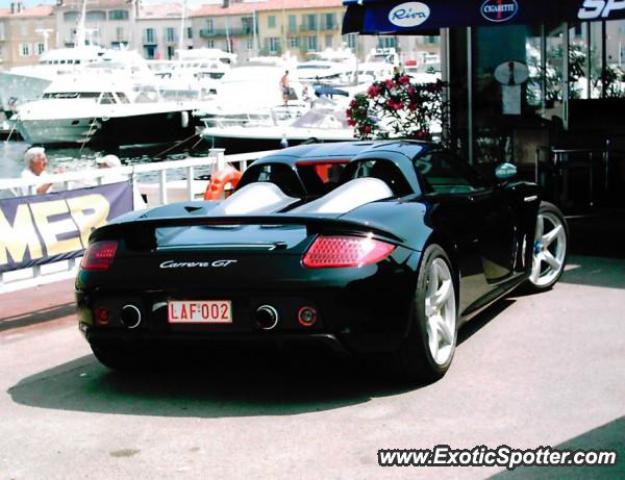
<point x="476" y="217"/>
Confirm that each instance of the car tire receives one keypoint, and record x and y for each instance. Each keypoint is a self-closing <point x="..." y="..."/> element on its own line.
<point x="550" y="248"/>
<point x="117" y="358"/>
<point x="427" y="351"/>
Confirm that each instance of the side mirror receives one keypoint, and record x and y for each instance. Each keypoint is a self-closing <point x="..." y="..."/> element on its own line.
<point x="505" y="171"/>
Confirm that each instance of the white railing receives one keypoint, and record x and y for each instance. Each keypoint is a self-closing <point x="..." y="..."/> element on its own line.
<point x="161" y="192"/>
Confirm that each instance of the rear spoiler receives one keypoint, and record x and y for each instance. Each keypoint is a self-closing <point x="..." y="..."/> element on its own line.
<point x="141" y="234"/>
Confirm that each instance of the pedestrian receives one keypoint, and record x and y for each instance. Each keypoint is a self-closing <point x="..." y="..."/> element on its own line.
<point x="36" y="161"/>
<point x="108" y="161"/>
<point x="285" y="88"/>
<point x="113" y="161"/>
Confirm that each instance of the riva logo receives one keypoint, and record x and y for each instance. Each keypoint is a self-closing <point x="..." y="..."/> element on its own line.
<point x="214" y="264"/>
<point x="499" y="10"/>
<point x="409" y="14"/>
<point x="593" y="9"/>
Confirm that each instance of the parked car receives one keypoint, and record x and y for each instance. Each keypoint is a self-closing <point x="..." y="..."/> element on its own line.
<point x="363" y="247"/>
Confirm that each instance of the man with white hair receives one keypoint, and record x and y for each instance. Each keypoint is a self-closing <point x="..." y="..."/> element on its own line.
<point x="36" y="161"/>
<point x="108" y="161"/>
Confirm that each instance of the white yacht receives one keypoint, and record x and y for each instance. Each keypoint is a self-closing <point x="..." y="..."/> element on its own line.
<point x="25" y="83"/>
<point x="252" y="93"/>
<point x="324" y="123"/>
<point x="104" y="110"/>
<point x="336" y="67"/>
<point x="379" y="64"/>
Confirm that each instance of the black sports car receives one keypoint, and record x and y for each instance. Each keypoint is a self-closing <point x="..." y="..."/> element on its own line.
<point x="362" y="247"/>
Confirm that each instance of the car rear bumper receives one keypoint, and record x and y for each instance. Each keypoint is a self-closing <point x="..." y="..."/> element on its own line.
<point x="360" y="310"/>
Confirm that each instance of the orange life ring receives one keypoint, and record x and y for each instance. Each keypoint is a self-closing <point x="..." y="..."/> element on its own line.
<point x="217" y="186"/>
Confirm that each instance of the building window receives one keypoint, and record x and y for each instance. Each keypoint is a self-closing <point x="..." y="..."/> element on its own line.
<point x="293" y="42"/>
<point x="292" y="23"/>
<point x="40" y="48"/>
<point x="387" y="42"/>
<point x="311" y="43"/>
<point x="274" y="44"/>
<point x="250" y="44"/>
<point x="271" y="21"/>
<point x="210" y="43"/>
<point x="189" y="33"/>
<point x="170" y="52"/>
<point x="329" y="21"/>
<point x="96" y="16"/>
<point x="352" y="40"/>
<point x="24" y="50"/>
<point x="70" y="17"/>
<point x="310" y="22"/>
<point x="209" y="25"/>
<point x="118" y="15"/>
<point x="149" y="36"/>
<point x="170" y="34"/>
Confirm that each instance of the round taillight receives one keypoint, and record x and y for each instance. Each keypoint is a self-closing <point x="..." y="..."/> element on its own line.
<point x="307" y="316"/>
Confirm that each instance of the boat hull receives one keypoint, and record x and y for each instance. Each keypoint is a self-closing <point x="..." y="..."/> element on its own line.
<point x="242" y="143"/>
<point x="154" y="128"/>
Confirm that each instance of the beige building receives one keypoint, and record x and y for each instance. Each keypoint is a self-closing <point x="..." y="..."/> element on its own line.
<point x="232" y="29"/>
<point x="25" y="33"/>
<point x="270" y="27"/>
<point x="109" y="23"/>
<point x="157" y="31"/>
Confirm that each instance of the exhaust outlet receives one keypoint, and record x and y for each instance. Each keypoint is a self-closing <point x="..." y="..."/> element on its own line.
<point x="130" y="317"/>
<point x="267" y="317"/>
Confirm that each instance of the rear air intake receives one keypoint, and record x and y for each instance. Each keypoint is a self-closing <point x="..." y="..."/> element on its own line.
<point x="344" y="251"/>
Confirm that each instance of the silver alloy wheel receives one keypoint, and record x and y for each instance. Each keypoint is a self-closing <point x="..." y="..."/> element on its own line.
<point x="549" y="249"/>
<point x="440" y="311"/>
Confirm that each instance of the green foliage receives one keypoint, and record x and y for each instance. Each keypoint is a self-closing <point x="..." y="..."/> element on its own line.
<point x="398" y="108"/>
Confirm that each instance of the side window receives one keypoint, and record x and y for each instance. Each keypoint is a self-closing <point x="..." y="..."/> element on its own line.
<point x="281" y="175"/>
<point x="444" y="173"/>
<point x="122" y="97"/>
<point x="384" y="170"/>
<point x="107" y="98"/>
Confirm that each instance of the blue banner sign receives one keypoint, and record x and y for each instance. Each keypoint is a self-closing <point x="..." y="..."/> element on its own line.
<point x="426" y="16"/>
<point x="36" y="230"/>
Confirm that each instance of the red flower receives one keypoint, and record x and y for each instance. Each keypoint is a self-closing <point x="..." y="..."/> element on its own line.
<point x="389" y="83"/>
<point x="351" y="122"/>
<point x="394" y="104"/>
<point x="412" y="106"/>
<point x="366" y="129"/>
<point x="404" y="79"/>
<point x="374" y="91"/>
<point x="422" y="135"/>
<point x="412" y="91"/>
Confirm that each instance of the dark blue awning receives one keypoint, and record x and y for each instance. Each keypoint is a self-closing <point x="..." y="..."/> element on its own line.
<point x="424" y="16"/>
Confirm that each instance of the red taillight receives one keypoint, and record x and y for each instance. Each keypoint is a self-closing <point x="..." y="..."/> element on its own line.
<point x="340" y="251"/>
<point x="99" y="256"/>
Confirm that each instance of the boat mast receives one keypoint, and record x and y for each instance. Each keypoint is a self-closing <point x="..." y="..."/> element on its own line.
<point x="182" y="24"/>
<point x="81" y="30"/>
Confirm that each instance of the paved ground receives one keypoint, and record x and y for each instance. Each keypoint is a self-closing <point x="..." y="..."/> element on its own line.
<point x="534" y="370"/>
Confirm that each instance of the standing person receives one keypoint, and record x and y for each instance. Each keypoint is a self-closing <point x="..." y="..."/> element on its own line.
<point x="113" y="161"/>
<point x="285" y="87"/>
<point x="36" y="161"/>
